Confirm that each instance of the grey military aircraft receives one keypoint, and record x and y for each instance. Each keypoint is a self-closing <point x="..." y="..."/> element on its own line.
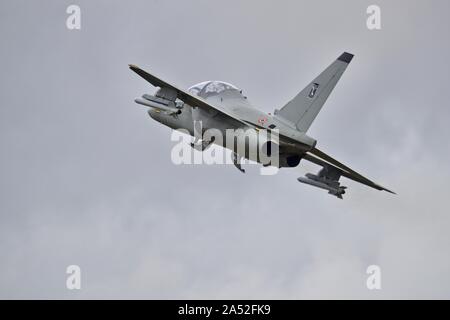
<point x="222" y="106"/>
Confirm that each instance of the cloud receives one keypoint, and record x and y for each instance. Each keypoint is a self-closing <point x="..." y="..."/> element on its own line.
<point x="87" y="177"/>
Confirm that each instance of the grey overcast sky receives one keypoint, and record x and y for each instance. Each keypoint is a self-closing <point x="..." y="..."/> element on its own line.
<point x="86" y="175"/>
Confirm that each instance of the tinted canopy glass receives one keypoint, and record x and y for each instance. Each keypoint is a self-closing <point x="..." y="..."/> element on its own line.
<point x="209" y="88"/>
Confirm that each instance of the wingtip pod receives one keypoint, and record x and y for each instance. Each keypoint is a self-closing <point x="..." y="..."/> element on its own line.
<point x="346" y="57"/>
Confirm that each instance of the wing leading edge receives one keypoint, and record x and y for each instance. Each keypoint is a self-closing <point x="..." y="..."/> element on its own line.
<point x="183" y="95"/>
<point x="322" y="159"/>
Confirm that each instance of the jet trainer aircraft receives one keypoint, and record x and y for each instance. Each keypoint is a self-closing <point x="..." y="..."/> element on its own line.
<point x="222" y="106"/>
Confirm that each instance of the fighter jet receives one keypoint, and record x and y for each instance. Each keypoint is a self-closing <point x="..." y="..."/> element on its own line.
<point x="223" y="106"/>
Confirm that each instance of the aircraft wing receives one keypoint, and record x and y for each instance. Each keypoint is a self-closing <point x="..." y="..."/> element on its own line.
<point x="322" y="159"/>
<point x="188" y="98"/>
<point x="195" y="101"/>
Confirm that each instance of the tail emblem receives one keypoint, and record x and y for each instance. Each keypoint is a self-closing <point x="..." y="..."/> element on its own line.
<point x="313" y="90"/>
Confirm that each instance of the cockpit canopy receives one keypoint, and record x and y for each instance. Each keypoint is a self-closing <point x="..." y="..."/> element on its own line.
<point x="210" y="88"/>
